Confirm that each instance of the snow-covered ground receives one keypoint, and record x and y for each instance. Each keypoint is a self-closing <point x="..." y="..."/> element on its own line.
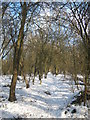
<point x="51" y="99"/>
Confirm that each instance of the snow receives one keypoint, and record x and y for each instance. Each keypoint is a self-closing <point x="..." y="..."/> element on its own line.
<point x="80" y="76"/>
<point x="81" y="112"/>
<point x="34" y="102"/>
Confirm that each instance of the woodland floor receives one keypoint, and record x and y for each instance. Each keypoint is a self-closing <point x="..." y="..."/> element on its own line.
<point x="51" y="99"/>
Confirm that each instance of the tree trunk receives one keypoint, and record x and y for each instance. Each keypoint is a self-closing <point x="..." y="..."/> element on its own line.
<point x="26" y="81"/>
<point x="87" y="72"/>
<point x="85" y="91"/>
<point x="17" y="54"/>
<point x="23" y="74"/>
<point x="12" y="96"/>
<point x="40" y="78"/>
<point x="45" y="71"/>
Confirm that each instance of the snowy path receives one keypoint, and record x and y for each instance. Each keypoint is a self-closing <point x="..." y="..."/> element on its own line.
<point x="34" y="102"/>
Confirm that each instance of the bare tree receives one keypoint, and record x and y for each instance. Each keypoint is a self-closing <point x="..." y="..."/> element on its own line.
<point x="79" y="20"/>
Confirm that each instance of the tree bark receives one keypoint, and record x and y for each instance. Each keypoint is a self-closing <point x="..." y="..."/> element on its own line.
<point x="12" y="96"/>
<point x="26" y="81"/>
<point x="17" y="54"/>
<point x="87" y="67"/>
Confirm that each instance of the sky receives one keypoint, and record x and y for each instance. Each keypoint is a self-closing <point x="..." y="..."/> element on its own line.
<point x="46" y="0"/>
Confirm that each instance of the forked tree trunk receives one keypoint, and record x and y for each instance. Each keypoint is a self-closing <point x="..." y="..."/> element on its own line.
<point x="17" y="54"/>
